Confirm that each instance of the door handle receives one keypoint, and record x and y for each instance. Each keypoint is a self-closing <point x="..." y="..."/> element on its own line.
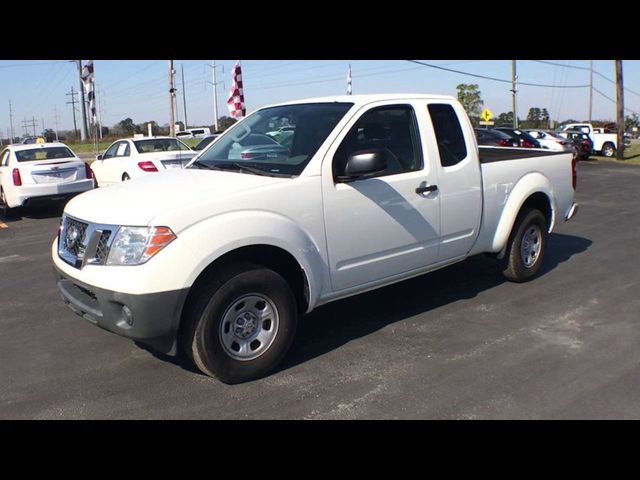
<point x="427" y="189"/>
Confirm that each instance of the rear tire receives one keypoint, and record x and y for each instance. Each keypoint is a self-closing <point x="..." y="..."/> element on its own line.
<point x="239" y="323"/>
<point x="526" y="246"/>
<point x="608" y="150"/>
<point x="7" y="211"/>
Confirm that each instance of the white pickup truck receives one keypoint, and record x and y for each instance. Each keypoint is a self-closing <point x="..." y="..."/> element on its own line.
<point x="221" y="258"/>
<point x="605" y="144"/>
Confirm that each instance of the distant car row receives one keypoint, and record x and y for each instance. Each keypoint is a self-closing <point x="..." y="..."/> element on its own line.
<point x="568" y="140"/>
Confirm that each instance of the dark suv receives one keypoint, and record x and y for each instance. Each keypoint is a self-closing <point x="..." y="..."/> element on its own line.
<point x="582" y="144"/>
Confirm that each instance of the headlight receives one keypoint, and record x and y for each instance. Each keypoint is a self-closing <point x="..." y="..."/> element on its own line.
<point x="136" y="245"/>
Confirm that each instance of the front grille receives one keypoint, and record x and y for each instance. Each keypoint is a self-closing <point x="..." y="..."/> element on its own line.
<point x="74" y="238"/>
<point x="81" y="243"/>
<point x="102" y="250"/>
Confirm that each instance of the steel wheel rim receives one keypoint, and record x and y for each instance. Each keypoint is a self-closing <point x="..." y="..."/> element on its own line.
<point x="531" y="245"/>
<point x="249" y="327"/>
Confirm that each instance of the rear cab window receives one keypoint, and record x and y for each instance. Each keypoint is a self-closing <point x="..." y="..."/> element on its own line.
<point x="449" y="136"/>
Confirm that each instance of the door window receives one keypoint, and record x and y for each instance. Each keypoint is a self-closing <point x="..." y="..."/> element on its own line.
<point x="390" y="129"/>
<point x="123" y="149"/>
<point x="111" y="151"/>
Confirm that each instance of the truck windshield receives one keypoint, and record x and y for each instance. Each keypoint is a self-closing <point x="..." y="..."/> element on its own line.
<point x="277" y="141"/>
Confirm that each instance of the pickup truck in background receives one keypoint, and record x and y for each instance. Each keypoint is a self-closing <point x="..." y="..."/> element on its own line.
<point x="605" y="144"/>
<point x="222" y="258"/>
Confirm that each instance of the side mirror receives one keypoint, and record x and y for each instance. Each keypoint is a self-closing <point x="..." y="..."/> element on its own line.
<point x="365" y="164"/>
<point x="99" y="157"/>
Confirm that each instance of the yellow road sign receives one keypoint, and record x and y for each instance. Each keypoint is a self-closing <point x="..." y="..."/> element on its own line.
<point x="486" y="115"/>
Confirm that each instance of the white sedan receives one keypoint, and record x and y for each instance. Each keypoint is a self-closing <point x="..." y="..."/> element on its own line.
<point x="550" y="140"/>
<point x="41" y="173"/>
<point x="130" y="158"/>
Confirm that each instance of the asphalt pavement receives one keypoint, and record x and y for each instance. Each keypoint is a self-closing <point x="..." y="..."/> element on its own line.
<point x="459" y="343"/>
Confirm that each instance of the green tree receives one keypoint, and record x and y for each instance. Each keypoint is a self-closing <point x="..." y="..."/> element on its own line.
<point x="470" y="98"/>
<point x="225" y="122"/>
<point x="125" y="128"/>
<point x="504" y="120"/>
<point x="630" y="122"/>
<point x="49" y="135"/>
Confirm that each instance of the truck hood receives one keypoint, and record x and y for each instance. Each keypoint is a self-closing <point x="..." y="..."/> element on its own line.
<point x="137" y="202"/>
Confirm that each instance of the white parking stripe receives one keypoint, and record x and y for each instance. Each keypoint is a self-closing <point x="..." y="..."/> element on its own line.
<point x="9" y="258"/>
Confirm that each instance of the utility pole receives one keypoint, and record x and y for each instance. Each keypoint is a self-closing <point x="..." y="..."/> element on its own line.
<point x="33" y="122"/>
<point x="590" y="89"/>
<point x="513" y="92"/>
<point x="184" y="97"/>
<point x="55" y="117"/>
<point x="73" y="109"/>
<point x="215" y="95"/>
<point x="620" y="109"/>
<point x="11" y="122"/>
<point x="172" y="94"/>
<point x="83" y="110"/>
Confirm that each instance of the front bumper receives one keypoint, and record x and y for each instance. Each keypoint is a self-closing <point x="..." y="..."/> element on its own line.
<point x="152" y="318"/>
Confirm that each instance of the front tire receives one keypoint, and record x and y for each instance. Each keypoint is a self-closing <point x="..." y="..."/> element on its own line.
<point x="240" y="323"/>
<point x="526" y="246"/>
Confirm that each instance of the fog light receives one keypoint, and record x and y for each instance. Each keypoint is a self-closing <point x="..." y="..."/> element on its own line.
<point x="128" y="315"/>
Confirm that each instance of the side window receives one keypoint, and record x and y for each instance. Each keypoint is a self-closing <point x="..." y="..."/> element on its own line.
<point x="448" y="134"/>
<point x="5" y="159"/>
<point x="111" y="151"/>
<point x="391" y="129"/>
<point x="123" y="149"/>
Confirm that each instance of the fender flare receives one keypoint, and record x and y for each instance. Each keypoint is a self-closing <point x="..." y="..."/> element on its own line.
<point x="526" y="186"/>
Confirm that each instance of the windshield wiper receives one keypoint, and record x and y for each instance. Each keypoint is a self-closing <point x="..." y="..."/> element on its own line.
<point x="251" y="169"/>
<point x="202" y="164"/>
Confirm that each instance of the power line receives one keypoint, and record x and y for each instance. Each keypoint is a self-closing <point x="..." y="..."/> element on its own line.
<point x="31" y="64"/>
<point x="586" y="68"/>
<point x="561" y="64"/>
<point x="493" y="78"/>
<point x="612" y="100"/>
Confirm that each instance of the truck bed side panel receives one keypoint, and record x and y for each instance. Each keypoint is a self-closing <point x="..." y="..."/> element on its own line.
<point x="510" y="176"/>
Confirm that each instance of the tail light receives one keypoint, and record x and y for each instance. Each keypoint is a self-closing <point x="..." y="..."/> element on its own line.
<point x="562" y="142"/>
<point x="503" y="143"/>
<point x="88" y="173"/>
<point x="17" y="180"/>
<point x="147" y="166"/>
<point x="574" y="175"/>
<point x="585" y="142"/>
<point x="527" y="144"/>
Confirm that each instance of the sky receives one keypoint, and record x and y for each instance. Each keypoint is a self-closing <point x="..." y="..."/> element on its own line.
<point x="138" y="88"/>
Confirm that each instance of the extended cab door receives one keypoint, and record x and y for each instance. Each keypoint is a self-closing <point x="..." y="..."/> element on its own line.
<point x="459" y="178"/>
<point x="387" y="224"/>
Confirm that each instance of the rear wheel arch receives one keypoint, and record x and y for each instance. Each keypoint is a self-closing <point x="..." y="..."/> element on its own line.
<point x="539" y="201"/>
